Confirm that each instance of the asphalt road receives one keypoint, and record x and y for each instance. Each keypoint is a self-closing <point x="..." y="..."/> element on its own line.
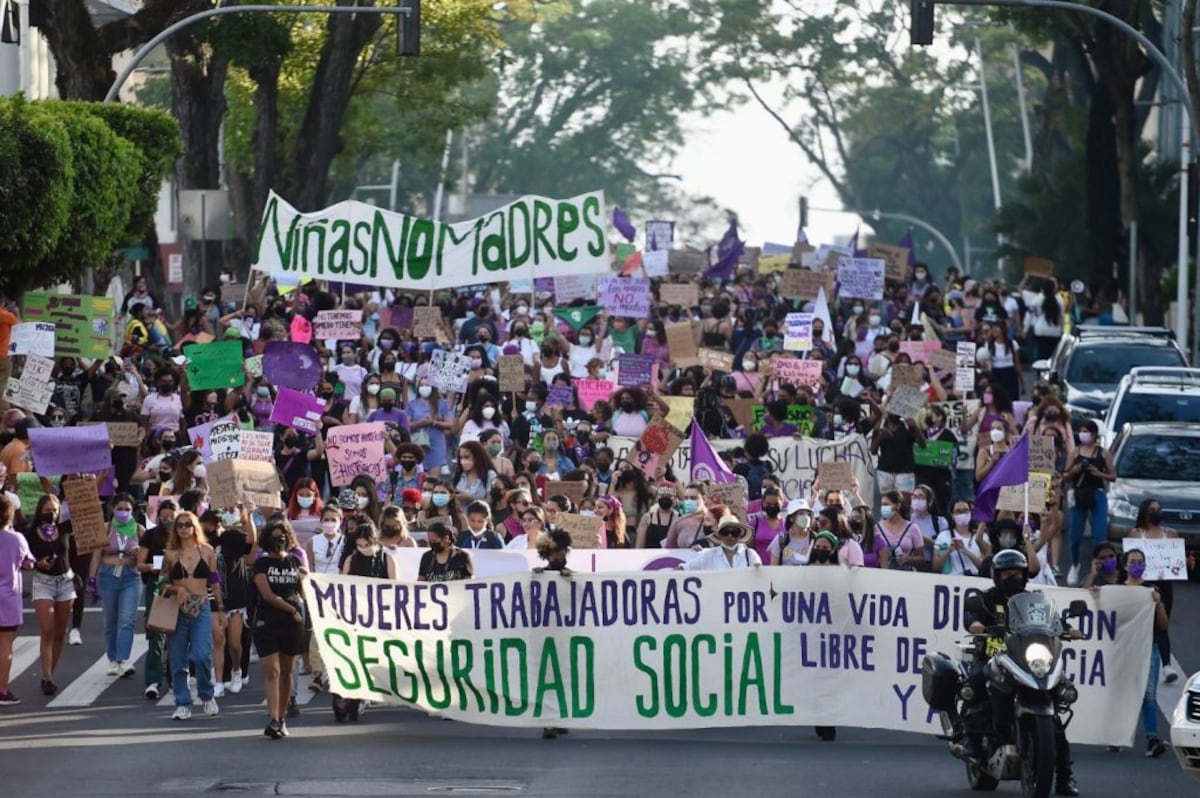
<point x="100" y="737"/>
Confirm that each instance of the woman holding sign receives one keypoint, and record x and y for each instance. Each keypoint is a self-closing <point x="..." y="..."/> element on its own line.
<point x="1149" y="526"/>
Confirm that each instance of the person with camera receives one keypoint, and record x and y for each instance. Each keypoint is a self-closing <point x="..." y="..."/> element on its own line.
<point x="1089" y="473"/>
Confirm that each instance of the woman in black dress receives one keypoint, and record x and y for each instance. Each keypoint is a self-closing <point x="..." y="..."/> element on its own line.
<point x="281" y="628"/>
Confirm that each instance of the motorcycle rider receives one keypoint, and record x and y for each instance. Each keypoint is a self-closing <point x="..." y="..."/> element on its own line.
<point x="1010" y="574"/>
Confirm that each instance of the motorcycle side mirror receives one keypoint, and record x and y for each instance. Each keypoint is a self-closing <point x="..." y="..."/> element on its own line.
<point x="1077" y="609"/>
<point x="974" y="603"/>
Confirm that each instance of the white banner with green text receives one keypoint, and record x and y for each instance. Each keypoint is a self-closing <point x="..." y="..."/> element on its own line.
<point x="674" y="650"/>
<point x="362" y="244"/>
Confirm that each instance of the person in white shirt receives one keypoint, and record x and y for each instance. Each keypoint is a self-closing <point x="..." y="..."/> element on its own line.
<point x="325" y="549"/>
<point x="958" y="551"/>
<point x="731" y="552"/>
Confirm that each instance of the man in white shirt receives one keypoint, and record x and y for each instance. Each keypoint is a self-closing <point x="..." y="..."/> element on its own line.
<point x="731" y="550"/>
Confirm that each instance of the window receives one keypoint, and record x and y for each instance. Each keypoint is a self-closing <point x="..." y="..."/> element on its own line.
<point x="1173" y="458"/>
<point x="1106" y="365"/>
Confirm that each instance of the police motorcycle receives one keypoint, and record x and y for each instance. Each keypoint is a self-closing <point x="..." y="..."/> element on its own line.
<point x="1019" y="665"/>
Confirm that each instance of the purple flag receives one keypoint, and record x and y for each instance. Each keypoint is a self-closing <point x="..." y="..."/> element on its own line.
<point x="706" y="465"/>
<point x="291" y="364"/>
<point x="853" y="245"/>
<point x="729" y="251"/>
<point x="1013" y="469"/>
<point x="623" y="225"/>
<point x="907" y="241"/>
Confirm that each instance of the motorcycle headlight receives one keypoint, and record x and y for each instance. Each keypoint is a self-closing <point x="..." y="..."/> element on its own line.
<point x="1122" y="509"/>
<point x="1039" y="659"/>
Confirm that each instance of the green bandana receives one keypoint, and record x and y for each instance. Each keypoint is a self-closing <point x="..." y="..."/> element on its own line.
<point x="126" y="530"/>
<point x="577" y="317"/>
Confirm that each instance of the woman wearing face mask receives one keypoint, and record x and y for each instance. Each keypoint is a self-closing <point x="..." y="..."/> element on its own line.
<point x="793" y="545"/>
<point x="281" y="629"/>
<point x="443" y="504"/>
<point x="479" y="533"/>
<point x="926" y="515"/>
<point x="898" y="541"/>
<point x="388" y="370"/>
<point x="1149" y="526"/>
<point x="995" y="405"/>
<point x="493" y="443"/>
<point x="206" y="406"/>
<point x="190" y="570"/>
<point x="259" y="402"/>
<point x="581" y="353"/>
<point x="387" y="345"/>
<point x="688" y="530"/>
<point x="387" y="412"/>
<point x="990" y="453"/>
<point x="473" y="472"/>
<point x="236" y="541"/>
<point x="1001" y="358"/>
<point x="554" y="462"/>
<point x="653" y="528"/>
<point x="297" y="456"/>
<point x="444" y="562"/>
<point x="1090" y="472"/>
<point x="551" y="363"/>
<point x="519" y="337"/>
<point x="53" y="591"/>
<point x="631" y="417"/>
<point x="190" y="474"/>
<point x="749" y="381"/>
<point x="350" y="372"/>
<point x="484" y="414"/>
<point x="164" y="408"/>
<point x="430" y="419"/>
<point x="305" y="504"/>
<point x="933" y="471"/>
<point x="958" y="551"/>
<point x="114" y="571"/>
<point x="769" y="524"/>
<point x="366" y="496"/>
<point x="366" y="400"/>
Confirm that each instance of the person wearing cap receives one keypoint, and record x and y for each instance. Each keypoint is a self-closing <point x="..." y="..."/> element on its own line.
<point x="410" y="503"/>
<point x="732" y="551"/>
<point x="387" y="412"/>
<point x="793" y="545"/>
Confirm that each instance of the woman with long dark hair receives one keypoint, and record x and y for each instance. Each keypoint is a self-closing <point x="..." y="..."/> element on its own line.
<point x="53" y="591"/>
<point x="280" y="621"/>
<point x="473" y="472"/>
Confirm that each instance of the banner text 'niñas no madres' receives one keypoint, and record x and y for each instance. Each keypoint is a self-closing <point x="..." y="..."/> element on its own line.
<point x="360" y="243"/>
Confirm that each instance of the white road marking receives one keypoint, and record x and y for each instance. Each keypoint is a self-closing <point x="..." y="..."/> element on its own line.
<point x="26" y="651"/>
<point x="84" y="690"/>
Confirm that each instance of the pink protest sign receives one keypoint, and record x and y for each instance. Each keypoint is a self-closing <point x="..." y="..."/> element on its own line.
<point x="299" y="410"/>
<point x="592" y="391"/>
<point x="355" y="449"/>
<point x="302" y="330"/>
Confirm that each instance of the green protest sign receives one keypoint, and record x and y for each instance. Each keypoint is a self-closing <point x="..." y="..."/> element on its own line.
<point x="30" y="489"/>
<point x="366" y="245"/>
<point x="215" y="365"/>
<point x="83" y="324"/>
<point x="934" y="454"/>
<point x="800" y="416"/>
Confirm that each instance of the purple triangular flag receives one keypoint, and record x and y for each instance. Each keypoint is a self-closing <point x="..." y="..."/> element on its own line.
<point x="729" y="252"/>
<point x="907" y="241"/>
<point x="706" y="465"/>
<point x="623" y="225"/>
<point x="1013" y="469"/>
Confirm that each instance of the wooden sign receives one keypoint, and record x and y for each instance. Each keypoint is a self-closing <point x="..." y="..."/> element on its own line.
<point x="87" y="515"/>
<point x="835" y="476"/>
<point x="512" y="373"/>
<point x="715" y="359"/>
<point x="1039" y="267"/>
<point x="585" y="531"/>
<point x="681" y="343"/>
<point x="895" y="260"/>
<point x="684" y="295"/>
<point x="572" y="490"/>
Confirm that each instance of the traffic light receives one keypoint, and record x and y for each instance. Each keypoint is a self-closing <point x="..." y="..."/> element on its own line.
<point x="922" y="22"/>
<point x="409" y="29"/>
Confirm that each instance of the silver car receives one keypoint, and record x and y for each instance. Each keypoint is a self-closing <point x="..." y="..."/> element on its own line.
<point x="1159" y="461"/>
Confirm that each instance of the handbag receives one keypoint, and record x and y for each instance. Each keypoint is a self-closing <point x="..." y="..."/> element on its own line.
<point x="164" y="615"/>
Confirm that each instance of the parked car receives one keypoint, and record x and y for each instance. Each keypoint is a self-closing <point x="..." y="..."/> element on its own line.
<point x="1088" y="364"/>
<point x="1185" y="728"/>
<point x="1153" y="394"/>
<point x="1160" y="461"/>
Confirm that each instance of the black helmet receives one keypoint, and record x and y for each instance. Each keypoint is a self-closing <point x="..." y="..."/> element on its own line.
<point x="1009" y="560"/>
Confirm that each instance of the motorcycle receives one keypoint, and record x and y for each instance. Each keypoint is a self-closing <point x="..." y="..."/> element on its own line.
<point x="1024" y="674"/>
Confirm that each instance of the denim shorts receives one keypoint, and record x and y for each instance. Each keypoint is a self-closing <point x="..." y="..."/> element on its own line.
<point x="53" y="588"/>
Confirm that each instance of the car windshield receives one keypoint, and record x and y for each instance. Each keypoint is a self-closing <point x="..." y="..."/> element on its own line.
<point x="1162" y="407"/>
<point x="1173" y="458"/>
<point x="1106" y="365"/>
<point x="1032" y="613"/>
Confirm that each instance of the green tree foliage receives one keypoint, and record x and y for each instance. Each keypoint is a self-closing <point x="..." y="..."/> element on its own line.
<point x="91" y="179"/>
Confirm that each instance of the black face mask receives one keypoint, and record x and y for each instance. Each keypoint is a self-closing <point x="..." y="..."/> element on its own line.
<point x="436" y="546"/>
<point x="666" y="502"/>
<point x="1155" y="517"/>
<point x="277" y="544"/>
<point x="821" y="556"/>
<point x="772" y="510"/>
<point x="1012" y="585"/>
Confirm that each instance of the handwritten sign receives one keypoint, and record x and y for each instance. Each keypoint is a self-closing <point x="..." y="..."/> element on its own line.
<point x="299" y="410"/>
<point x="835" y="476"/>
<point x="338" y="325"/>
<point x="449" y="371"/>
<point x="254" y="445"/>
<point x="592" y="391"/>
<point x="573" y="490"/>
<point x="585" y="531"/>
<point x="681" y="343"/>
<point x="83" y="323"/>
<point x="624" y="297"/>
<point x="920" y="351"/>
<point x="860" y="278"/>
<point x="895" y="260"/>
<point x="427" y="321"/>
<point x="123" y="433"/>
<point x="935" y="454"/>
<point x="1041" y="453"/>
<point x="355" y="449"/>
<point x="907" y="374"/>
<point x="798" y="332"/>
<point x="87" y="515"/>
<point x="1012" y="497"/>
<point x="1039" y="267"/>
<point x="225" y="439"/>
<point x="32" y="338"/>
<point x="730" y="494"/>
<point x="684" y="295"/>
<point x="34" y="388"/>
<point x="964" y="367"/>
<point x="943" y="360"/>
<point x="634" y="370"/>
<point x="795" y="371"/>
<point x="233" y="481"/>
<point x="511" y="370"/>
<point x="800" y="284"/>
<point x="907" y="401"/>
<point x="687" y="261"/>
<point x="1166" y="558"/>
<point x="715" y="359"/>
<point x="559" y="396"/>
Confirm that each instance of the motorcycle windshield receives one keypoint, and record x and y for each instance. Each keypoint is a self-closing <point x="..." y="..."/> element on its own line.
<point x="1032" y="613"/>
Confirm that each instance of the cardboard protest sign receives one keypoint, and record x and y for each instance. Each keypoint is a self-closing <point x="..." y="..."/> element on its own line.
<point x="427" y="321"/>
<point x="730" y="494"/>
<point x="907" y="374"/>
<point x="743" y="411"/>
<point x="1039" y="267"/>
<point x="661" y="438"/>
<point x="907" y="401"/>
<point x="233" y="481"/>
<point x="289" y="364"/>
<point x="943" y="360"/>
<point x="625" y="297"/>
<point x="715" y="359"/>
<point x="254" y="445"/>
<point x="87" y="514"/>
<point x="35" y="387"/>
<point x="860" y="278"/>
<point x="796" y="371"/>
<point x="835" y="476"/>
<point x="569" y="287"/>
<point x="682" y="408"/>
<point x="592" y="391"/>
<point x="800" y="284"/>
<point x="233" y="293"/>
<point x="935" y="454"/>
<point x="299" y="410"/>
<point x="200" y="436"/>
<point x="684" y="295"/>
<point x="1166" y="558"/>
<point x="83" y="324"/>
<point x="213" y="366"/>
<point x="559" y="396"/>
<point x="338" y="325"/>
<point x="634" y="370"/>
<point x="32" y="338"/>
<point x="355" y="449"/>
<point x="656" y="263"/>
<point x="798" y="332"/>
<point x="920" y="351"/>
<point x="574" y="491"/>
<point x="895" y="260"/>
<point x="449" y="371"/>
<point x="511" y="370"/>
<point x="1012" y="497"/>
<point x="681" y="343"/>
<point x="964" y="368"/>
<point x="687" y="260"/>
<point x="586" y="531"/>
<point x="124" y="433"/>
<point x="1041" y="453"/>
<point x="69" y="450"/>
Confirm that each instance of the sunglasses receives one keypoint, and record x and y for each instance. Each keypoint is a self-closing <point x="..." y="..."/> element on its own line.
<point x="183" y="524"/>
<point x="729" y="533"/>
<point x="58" y="418"/>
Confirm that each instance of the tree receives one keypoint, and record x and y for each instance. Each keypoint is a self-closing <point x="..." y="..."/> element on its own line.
<point x="81" y="193"/>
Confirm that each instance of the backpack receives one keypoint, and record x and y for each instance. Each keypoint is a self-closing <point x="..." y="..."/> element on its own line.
<point x="755" y="471"/>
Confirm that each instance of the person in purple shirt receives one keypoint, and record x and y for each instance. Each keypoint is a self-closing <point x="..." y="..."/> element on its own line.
<point x="14" y="558"/>
<point x="775" y="421"/>
<point x="387" y="412"/>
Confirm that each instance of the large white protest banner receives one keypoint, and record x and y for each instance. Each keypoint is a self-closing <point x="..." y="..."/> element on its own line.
<point x="795" y="461"/>
<point x="366" y="245"/>
<point x="678" y="650"/>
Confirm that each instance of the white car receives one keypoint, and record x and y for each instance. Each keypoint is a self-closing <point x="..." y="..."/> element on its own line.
<point x="1185" y="728"/>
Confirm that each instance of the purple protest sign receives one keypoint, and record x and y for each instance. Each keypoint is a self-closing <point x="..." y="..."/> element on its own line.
<point x="559" y="396"/>
<point x="543" y="285"/>
<point x="289" y="364"/>
<point x="69" y="450"/>
<point x="625" y="297"/>
<point x="401" y="318"/>
<point x="299" y="410"/>
<point x="634" y="370"/>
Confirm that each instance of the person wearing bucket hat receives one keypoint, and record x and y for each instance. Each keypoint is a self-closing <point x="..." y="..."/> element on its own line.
<point x="731" y="552"/>
<point x="791" y="547"/>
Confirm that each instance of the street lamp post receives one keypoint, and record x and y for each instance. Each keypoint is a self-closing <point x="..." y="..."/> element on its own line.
<point x="903" y="217"/>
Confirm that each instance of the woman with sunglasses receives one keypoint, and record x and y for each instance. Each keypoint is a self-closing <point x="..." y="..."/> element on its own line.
<point x="190" y="568"/>
<point x="731" y="552"/>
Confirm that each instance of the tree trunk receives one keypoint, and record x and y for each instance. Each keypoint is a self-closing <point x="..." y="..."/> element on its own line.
<point x="83" y="72"/>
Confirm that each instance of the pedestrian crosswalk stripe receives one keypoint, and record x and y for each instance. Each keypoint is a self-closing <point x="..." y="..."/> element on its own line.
<point x="26" y="651"/>
<point x="84" y="690"/>
<point x="1168" y="695"/>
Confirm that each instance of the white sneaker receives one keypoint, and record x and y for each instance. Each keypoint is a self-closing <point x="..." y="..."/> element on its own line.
<point x="183" y="712"/>
<point x="1170" y="674"/>
<point x="235" y="685"/>
<point x="127" y="669"/>
<point x="218" y="690"/>
<point x="210" y="707"/>
<point x="74" y="638"/>
<point x="1073" y="576"/>
<point x="114" y="668"/>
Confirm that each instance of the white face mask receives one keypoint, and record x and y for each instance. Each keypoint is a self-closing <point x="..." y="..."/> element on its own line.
<point x="362" y="501"/>
<point x="962" y="520"/>
<point x="749" y="365"/>
<point x="1085" y="438"/>
<point x="853" y="369"/>
<point x="919" y="505"/>
<point x="997" y="435"/>
<point x="330" y="527"/>
<point x="489" y="412"/>
<point x="729" y="546"/>
<point x="425" y="391"/>
<point x="305" y="501"/>
<point x="373" y="389"/>
<point x="874" y="320"/>
<point x="522" y="310"/>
